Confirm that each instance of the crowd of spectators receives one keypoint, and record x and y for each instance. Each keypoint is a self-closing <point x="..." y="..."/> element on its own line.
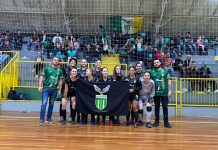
<point x="136" y="48"/>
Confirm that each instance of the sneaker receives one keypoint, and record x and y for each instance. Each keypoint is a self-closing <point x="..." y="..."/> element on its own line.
<point x="148" y="125"/>
<point x="140" y="123"/>
<point x="156" y="124"/>
<point x="92" y="123"/>
<point x="81" y="123"/>
<point x="167" y="125"/>
<point x="136" y="125"/>
<point x="72" y="122"/>
<point x="128" y="123"/>
<point x="50" y="121"/>
<point x="63" y="122"/>
<point x="41" y="123"/>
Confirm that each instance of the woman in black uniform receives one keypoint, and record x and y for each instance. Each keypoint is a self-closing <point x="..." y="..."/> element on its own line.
<point x="105" y="78"/>
<point x="134" y="87"/>
<point x="117" y="76"/>
<point x="70" y="92"/>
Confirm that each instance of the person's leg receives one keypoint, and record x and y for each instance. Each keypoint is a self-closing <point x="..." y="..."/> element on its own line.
<point x="73" y="109"/>
<point x="63" y="110"/>
<point x="52" y="96"/>
<point x="164" y="101"/>
<point x="43" y="105"/>
<point x="157" y="110"/>
<point x="148" y="115"/>
<point x="135" y="105"/>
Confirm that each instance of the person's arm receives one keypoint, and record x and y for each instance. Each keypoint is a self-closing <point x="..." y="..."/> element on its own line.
<point x="65" y="91"/>
<point x="169" y="87"/>
<point x="59" y="86"/>
<point x="152" y="90"/>
<point x="40" y="83"/>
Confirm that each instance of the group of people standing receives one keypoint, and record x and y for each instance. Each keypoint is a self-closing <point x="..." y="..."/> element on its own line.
<point x="144" y="89"/>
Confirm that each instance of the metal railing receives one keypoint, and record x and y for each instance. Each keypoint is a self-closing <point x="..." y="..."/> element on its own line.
<point x="9" y="75"/>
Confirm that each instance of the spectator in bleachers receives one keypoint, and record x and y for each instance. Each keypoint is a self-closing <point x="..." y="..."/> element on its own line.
<point x="192" y="73"/>
<point x="158" y="54"/>
<point x="105" y="50"/>
<point x="66" y="42"/>
<point x="1" y="40"/>
<point x="92" y="53"/>
<point x="42" y="39"/>
<point x="215" y="45"/>
<point x="59" y="52"/>
<point x="38" y="66"/>
<point x="178" y="63"/>
<point x="34" y="41"/>
<point x="57" y="39"/>
<point x="149" y="54"/>
<point x="7" y="46"/>
<point x="48" y="46"/>
<point x="189" y="42"/>
<point x="87" y="39"/>
<point x="187" y="61"/>
<point x="72" y="52"/>
<point x="18" y="40"/>
<point x="200" y="45"/>
<point x="96" y="39"/>
<point x="168" y="63"/>
<point x="205" y="72"/>
<point x="159" y="40"/>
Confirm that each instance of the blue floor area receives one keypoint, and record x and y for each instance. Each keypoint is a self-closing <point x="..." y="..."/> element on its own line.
<point x="27" y="106"/>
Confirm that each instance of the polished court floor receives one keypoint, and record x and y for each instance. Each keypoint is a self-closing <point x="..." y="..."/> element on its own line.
<point x="22" y="131"/>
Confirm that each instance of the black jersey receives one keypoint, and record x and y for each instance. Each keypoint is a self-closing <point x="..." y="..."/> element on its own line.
<point x="134" y="84"/>
<point x="92" y="80"/>
<point x="71" y="87"/>
<point x="82" y="73"/>
<point x="109" y="79"/>
<point x="97" y="73"/>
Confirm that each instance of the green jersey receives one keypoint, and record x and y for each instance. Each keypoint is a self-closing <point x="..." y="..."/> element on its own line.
<point x="52" y="76"/>
<point x="160" y="78"/>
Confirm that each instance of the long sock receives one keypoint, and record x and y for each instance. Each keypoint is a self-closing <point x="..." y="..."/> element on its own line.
<point x="73" y="114"/>
<point x="64" y="113"/>
<point x="92" y="118"/>
<point x="78" y="116"/>
<point x="71" y="110"/>
<point x="128" y="116"/>
<point x="103" y="118"/>
<point x="60" y="110"/>
<point x="132" y="115"/>
<point x="86" y="118"/>
<point x="148" y="116"/>
<point x="136" y="116"/>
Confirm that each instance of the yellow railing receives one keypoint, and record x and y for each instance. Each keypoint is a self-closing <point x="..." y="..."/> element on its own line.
<point x="198" y="92"/>
<point x="9" y="75"/>
<point x="186" y="92"/>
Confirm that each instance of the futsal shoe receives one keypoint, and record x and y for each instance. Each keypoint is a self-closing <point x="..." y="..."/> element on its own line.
<point x="136" y="125"/>
<point x="63" y="122"/>
<point x="41" y="123"/>
<point x="148" y="125"/>
<point x="50" y="121"/>
<point x="167" y="125"/>
<point x="156" y="124"/>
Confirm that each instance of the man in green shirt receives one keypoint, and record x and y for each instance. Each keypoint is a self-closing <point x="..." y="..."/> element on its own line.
<point x="162" y="81"/>
<point x="50" y="85"/>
